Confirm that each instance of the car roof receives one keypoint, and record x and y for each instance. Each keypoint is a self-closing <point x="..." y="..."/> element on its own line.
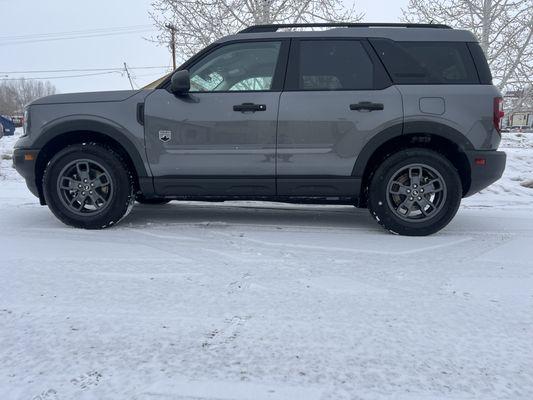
<point x="397" y="32"/>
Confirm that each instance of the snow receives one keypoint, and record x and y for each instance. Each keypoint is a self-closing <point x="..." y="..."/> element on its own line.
<point x="253" y="301"/>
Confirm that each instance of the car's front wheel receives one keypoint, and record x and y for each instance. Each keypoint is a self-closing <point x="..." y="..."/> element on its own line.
<point x="88" y="186"/>
<point x="415" y="192"/>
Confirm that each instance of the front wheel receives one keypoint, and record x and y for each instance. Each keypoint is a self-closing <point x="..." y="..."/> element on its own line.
<point x="415" y="192"/>
<point x="88" y="186"/>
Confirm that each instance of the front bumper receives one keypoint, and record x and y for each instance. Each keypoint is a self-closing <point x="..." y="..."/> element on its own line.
<point x="24" y="161"/>
<point x="486" y="167"/>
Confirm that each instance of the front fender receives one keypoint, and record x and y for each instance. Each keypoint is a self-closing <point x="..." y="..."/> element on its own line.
<point x="90" y="123"/>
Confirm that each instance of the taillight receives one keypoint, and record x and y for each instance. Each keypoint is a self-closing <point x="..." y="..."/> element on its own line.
<point x="498" y="113"/>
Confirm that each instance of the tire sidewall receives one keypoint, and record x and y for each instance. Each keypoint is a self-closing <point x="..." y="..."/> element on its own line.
<point x="119" y="175"/>
<point x="377" y="199"/>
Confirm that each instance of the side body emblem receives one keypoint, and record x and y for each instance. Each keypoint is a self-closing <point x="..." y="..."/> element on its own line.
<point x="165" y="136"/>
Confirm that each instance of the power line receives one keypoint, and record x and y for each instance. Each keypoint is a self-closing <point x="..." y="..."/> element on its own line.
<point x="72" y="37"/>
<point x="80" y="70"/>
<point x="62" y="77"/>
<point x="77" y="32"/>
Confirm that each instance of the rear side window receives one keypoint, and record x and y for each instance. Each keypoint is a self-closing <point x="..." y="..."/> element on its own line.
<point x="334" y="65"/>
<point x="482" y="66"/>
<point x="427" y="62"/>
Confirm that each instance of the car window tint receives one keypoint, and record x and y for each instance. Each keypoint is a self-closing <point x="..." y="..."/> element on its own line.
<point x="334" y="65"/>
<point x="427" y="62"/>
<point x="246" y="66"/>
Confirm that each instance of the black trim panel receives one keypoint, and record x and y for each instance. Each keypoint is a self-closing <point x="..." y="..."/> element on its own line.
<point x="435" y="128"/>
<point x="89" y="125"/>
<point x="258" y="186"/>
<point x="484" y="175"/>
<point x="326" y="186"/>
<point x="27" y="168"/>
<point x="418" y="128"/>
<point x="215" y="186"/>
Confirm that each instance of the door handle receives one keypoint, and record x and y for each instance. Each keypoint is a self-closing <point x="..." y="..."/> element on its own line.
<point x="249" y="107"/>
<point x="366" y="105"/>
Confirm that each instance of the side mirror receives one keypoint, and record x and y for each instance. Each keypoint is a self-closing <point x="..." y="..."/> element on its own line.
<point x="180" y="82"/>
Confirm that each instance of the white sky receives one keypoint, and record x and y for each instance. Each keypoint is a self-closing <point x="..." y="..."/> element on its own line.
<point x="29" y="17"/>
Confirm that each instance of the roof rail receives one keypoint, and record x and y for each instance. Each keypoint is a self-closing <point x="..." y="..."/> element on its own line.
<point x="275" y="27"/>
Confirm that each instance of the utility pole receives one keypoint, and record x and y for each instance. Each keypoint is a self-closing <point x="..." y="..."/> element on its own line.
<point x="172" y="30"/>
<point x="129" y="76"/>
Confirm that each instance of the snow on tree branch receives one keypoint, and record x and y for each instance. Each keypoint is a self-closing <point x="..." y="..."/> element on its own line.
<point x="200" y="22"/>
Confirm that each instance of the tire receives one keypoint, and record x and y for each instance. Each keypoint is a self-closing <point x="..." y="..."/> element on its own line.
<point x="110" y="196"/>
<point x="155" y="201"/>
<point x="404" y="207"/>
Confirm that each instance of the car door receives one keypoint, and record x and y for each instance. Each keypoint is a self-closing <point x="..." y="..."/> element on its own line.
<point x="337" y="97"/>
<point x="220" y="138"/>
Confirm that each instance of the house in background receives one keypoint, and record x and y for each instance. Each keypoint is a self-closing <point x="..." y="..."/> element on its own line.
<point x="518" y="108"/>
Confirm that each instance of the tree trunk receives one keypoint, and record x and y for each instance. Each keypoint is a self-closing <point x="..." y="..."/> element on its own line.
<point x="485" y="25"/>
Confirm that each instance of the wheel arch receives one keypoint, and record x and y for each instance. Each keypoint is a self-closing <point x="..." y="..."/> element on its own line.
<point x="62" y="134"/>
<point x="434" y="136"/>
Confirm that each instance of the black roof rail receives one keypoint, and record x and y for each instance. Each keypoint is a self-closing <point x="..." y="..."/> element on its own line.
<point x="275" y="27"/>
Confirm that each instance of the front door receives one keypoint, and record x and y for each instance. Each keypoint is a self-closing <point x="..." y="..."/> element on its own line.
<point x="220" y="139"/>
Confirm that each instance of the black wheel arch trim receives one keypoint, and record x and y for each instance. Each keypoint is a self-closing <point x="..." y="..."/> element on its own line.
<point x="97" y="125"/>
<point x="409" y="128"/>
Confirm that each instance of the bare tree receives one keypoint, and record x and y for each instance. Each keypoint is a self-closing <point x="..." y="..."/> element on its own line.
<point x="504" y="29"/>
<point x="15" y="94"/>
<point x="198" y="23"/>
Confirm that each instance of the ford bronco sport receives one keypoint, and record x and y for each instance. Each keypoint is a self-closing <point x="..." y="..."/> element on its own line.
<point x="402" y="119"/>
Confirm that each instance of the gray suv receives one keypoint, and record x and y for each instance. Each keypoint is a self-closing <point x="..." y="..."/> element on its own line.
<point x="401" y="119"/>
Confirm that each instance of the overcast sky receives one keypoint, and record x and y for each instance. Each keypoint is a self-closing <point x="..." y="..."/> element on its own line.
<point x="36" y="17"/>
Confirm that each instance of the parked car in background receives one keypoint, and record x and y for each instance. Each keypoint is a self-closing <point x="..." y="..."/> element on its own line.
<point x="18" y="120"/>
<point x="9" y="126"/>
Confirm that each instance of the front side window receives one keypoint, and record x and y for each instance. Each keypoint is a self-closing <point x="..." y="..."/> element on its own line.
<point x="246" y="66"/>
<point x="334" y="65"/>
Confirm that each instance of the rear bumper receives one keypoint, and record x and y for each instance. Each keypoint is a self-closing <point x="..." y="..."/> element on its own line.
<point x="486" y="167"/>
<point x="24" y="162"/>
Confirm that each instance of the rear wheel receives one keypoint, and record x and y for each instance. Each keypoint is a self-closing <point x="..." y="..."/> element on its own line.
<point x="88" y="186"/>
<point x="415" y="192"/>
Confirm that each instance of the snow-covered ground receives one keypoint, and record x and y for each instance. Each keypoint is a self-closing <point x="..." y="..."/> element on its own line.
<point x="268" y="301"/>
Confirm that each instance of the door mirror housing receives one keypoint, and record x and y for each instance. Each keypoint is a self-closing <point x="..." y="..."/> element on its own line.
<point x="180" y="83"/>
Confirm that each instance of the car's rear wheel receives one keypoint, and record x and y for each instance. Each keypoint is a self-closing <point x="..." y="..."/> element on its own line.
<point x="88" y="186"/>
<point x="415" y="192"/>
<point x="153" y="201"/>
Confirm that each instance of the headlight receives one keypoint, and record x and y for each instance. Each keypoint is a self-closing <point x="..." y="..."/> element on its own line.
<point x="26" y="122"/>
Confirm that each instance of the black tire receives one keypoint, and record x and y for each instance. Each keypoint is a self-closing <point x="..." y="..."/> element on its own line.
<point x="154" y="201"/>
<point x="119" y="194"/>
<point x="387" y="207"/>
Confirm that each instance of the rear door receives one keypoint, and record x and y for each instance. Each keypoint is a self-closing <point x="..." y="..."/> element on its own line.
<point x="338" y="96"/>
<point x="220" y="138"/>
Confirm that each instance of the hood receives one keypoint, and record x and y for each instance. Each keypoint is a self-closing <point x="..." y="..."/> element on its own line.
<point x="88" y="97"/>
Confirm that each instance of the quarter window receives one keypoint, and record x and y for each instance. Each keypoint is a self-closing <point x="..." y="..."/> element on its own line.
<point x="246" y="66"/>
<point x="334" y="65"/>
<point x="427" y="62"/>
